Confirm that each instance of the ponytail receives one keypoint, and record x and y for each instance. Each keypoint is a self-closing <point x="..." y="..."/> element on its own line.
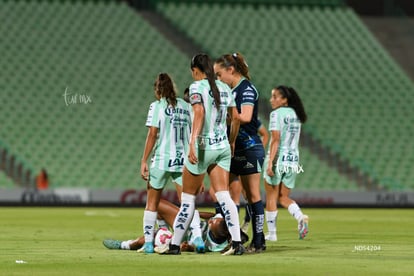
<point x="165" y="88"/>
<point x="204" y="63"/>
<point x="237" y="61"/>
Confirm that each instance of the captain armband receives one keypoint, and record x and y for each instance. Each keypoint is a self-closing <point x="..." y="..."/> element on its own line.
<point x="196" y="98"/>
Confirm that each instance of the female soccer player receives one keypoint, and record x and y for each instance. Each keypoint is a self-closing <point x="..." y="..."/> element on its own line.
<point x="168" y="123"/>
<point x="282" y="161"/>
<point x="209" y="151"/>
<point x="249" y="151"/>
<point x="236" y="188"/>
<point x="215" y="231"/>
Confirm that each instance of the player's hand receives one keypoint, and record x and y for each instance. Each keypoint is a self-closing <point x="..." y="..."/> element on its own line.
<point x="202" y="188"/>
<point x="144" y="171"/>
<point x="270" y="171"/>
<point x="192" y="156"/>
<point x="232" y="147"/>
<point x="185" y="247"/>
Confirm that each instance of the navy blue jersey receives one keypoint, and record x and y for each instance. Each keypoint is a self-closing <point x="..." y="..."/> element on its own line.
<point x="246" y="93"/>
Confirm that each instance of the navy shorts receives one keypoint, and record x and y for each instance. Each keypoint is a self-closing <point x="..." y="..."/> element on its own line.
<point x="248" y="161"/>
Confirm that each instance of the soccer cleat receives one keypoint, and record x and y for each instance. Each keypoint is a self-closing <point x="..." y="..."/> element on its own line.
<point x="237" y="249"/>
<point x="161" y="249"/>
<point x="112" y="244"/>
<point x="199" y="245"/>
<point x="171" y="250"/>
<point x="245" y="227"/>
<point x="244" y="237"/>
<point x="147" y="248"/>
<point x="253" y="248"/>
<point x="271" y="237"/>
<point x="226" y="248"/>
<point x="303" y="227"/>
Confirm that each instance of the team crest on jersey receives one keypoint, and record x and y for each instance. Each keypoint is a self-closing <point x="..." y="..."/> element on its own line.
<point x="196" y="98"/>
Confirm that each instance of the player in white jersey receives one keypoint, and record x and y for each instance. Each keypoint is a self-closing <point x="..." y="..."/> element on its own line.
<point x="282" y="161"/>
<point x="209" y="151"/>
<point x="169" y="124"/>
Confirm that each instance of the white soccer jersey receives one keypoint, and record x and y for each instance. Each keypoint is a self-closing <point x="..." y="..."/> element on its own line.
<point x="285" y="120"/>
<point x="214" y="132"/>
<point x="174" y="125"/>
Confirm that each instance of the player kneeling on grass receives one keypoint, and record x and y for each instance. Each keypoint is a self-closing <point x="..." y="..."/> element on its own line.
<point x="214" y="232"/>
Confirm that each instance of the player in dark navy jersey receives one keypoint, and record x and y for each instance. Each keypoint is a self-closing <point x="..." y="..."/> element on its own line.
<point x="249" y="153"/>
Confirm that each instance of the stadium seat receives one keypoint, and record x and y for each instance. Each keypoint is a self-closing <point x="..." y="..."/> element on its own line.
<point x="107" y="51"/>
<point x="101" y="49"/>
<point x="343" y="74"/>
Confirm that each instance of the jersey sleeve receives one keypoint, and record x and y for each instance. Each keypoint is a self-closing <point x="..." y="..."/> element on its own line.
<point x="249" y="95"/>
<point x="232" y="101"/>
<point x="152" y="117"/>
<point x="274" y="123"/>
<point x="195" y="94"/>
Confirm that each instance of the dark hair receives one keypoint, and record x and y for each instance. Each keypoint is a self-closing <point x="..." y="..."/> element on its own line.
<point x="293" y="101"/>
<point x="186" y="96"/>
<point x="205" y="65"/>
<point x="221" y="233"/>
<point x="237" y="61"/>
<point x="164" y="87"/>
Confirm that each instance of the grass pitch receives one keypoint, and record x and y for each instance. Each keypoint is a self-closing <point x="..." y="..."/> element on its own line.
<point x="68" y="241"/>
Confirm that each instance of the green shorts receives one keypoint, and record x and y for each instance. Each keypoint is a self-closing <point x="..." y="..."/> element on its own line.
<point x="287" y="176"/>
<point x="221" y="157"/>
<point x="158" y="179"/>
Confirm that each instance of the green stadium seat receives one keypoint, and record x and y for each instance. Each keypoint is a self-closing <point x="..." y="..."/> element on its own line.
<point x="106" y="50"/>
<point x="341" y="71"/>
<point x="102" y="49"/>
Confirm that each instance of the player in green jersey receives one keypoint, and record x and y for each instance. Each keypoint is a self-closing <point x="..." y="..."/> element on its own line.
<point x="282" y="161"/>
<point x="169" y="123"/>
<point x="209" y="151"/>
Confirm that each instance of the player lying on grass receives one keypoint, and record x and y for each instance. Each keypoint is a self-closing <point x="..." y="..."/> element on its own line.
<point x="214" y="232"/>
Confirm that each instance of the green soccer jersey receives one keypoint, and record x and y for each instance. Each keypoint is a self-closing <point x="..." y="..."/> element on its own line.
<point x="214" y="132"/>
<point x="285" y="120"/>
<point x="174" y="125"/>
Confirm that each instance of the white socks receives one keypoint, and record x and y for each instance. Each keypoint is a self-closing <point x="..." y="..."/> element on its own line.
<point x="295" y="211"/>
<point x="183" y="218"/>
<point x="162" y="224"/>
<point x="149" y="220"/>
<point x="271" y="217"/>
<point x="230" y="214"/>
<point x="195" y="225"/>
<point x="125" y="245"/>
